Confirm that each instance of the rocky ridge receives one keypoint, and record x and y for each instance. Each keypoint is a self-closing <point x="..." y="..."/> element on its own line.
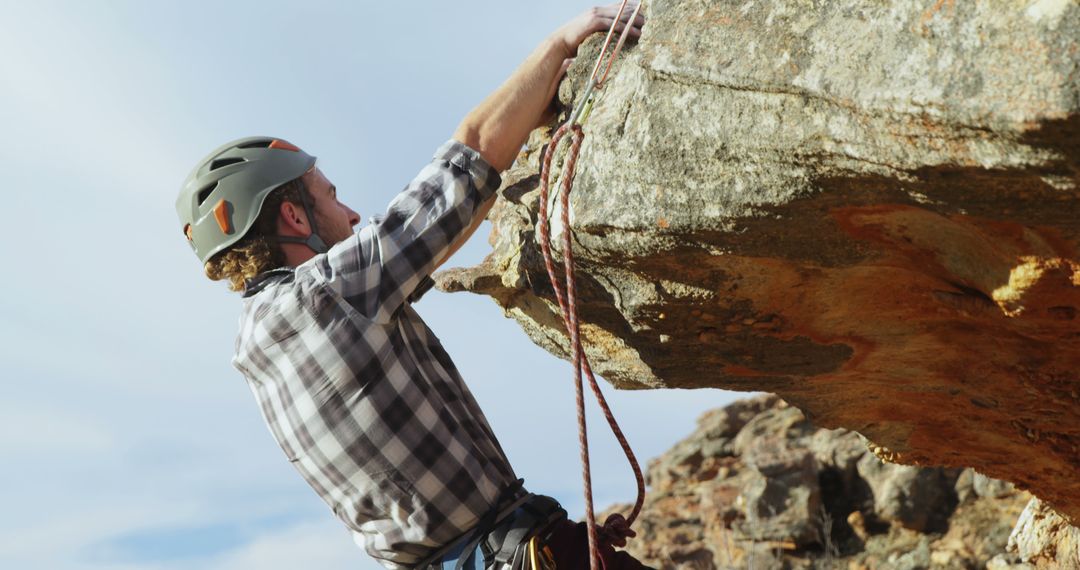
<point x="757" y="486"/>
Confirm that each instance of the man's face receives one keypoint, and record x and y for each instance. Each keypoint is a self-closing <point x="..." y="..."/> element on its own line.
<point x="334" y="220"/>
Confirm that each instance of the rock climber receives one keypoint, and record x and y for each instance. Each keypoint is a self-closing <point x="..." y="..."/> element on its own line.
<point x="355" y="388"/>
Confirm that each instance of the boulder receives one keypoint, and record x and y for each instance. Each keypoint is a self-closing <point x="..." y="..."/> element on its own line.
<point x="908" y="495"/>
<point x="1043" y="539"/>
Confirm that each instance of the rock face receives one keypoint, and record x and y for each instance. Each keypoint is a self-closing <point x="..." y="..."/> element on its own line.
<point x="757" y="486"/>
<point x="870" y="209"/>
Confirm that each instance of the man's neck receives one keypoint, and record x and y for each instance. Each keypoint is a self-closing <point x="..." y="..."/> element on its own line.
<point x="296" y="254"/>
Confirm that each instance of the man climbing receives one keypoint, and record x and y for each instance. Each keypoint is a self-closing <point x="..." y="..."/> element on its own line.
<point x="354" y="387"/>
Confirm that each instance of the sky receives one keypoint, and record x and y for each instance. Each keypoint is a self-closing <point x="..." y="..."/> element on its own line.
<point x="128" y="441"/>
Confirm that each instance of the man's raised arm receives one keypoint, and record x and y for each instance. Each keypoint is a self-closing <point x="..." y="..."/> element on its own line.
<point x="501" y="124"/>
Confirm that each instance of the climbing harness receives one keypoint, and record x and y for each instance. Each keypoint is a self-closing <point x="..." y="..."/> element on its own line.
<point x="504" y="535"/>
<point x="616" y="528"/>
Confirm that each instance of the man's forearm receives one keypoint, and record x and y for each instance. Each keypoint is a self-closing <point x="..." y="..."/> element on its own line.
<point x="501" y="124"/>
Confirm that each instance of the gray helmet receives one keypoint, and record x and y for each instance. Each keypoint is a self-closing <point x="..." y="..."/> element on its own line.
<point x="223" y="195"/>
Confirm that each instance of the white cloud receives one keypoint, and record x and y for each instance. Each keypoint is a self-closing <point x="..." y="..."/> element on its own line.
<point x="66" y="536"/>
<point x="48" y="431"/>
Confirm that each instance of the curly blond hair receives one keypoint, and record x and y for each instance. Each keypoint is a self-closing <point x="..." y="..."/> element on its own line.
<point x="257" y="251"/>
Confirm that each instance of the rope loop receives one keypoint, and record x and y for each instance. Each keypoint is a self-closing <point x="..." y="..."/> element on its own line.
<point x="616" y="528"/>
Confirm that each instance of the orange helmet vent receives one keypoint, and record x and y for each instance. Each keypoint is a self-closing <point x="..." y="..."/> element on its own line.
<point x="187" y="232"/>
<point x="221" y="214"/>
<point x="283" y="145"/>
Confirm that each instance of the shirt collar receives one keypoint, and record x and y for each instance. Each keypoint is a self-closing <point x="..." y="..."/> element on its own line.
<point x="259" y="282"/>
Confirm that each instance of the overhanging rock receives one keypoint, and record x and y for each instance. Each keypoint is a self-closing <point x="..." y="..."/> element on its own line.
<point x="870" y="209"/>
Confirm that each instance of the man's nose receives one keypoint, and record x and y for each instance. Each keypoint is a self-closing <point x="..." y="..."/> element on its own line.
<point x="354" y="218"/>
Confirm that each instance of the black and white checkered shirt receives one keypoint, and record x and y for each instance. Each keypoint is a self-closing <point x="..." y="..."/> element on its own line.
<point x="358" y="391"/>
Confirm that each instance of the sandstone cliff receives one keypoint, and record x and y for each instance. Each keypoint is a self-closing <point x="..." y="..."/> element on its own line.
<point x="868" y="208"/>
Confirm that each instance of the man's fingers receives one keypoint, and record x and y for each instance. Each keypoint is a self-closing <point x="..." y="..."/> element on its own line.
<point x="606" y="15"/>
<point x="639" y="20"/>
<point x="600" y="19"/>
<point x="604" y="24"/>
<point x="613" y="10"/>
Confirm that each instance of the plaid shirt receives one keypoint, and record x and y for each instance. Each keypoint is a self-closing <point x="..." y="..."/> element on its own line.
<point x="358" y="391"/>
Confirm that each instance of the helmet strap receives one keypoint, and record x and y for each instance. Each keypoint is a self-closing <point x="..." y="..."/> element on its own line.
<point x="313" y="241"/>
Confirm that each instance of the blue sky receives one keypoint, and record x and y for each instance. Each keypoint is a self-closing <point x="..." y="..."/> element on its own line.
<point x="128" y="440"/>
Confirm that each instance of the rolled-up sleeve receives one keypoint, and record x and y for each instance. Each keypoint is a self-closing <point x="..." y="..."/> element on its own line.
<point x="378" y="268"/>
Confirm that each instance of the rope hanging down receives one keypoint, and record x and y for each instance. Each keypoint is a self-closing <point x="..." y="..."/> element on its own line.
<point x="617" y="528"/>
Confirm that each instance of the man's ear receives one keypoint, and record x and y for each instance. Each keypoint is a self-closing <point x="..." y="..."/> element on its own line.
<point x="293" y="220"/>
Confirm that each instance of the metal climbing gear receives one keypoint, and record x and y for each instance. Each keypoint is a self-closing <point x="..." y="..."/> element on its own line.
<point x="503" y="536"/>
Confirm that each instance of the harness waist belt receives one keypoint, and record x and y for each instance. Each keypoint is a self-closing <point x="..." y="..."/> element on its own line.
<point x="498" y="544"/>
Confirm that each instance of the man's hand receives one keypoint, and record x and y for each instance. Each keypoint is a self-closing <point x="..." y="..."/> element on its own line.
<point x="597" y="19"/>
<point x="570" y="36"/>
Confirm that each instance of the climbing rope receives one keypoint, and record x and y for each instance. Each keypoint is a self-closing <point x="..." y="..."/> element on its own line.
<point x="616" y="528"/>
